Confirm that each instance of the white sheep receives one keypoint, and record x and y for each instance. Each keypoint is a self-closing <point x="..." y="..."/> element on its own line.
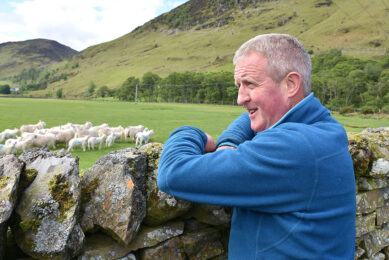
<point x="9" y="133"/>
<point x="81" y="141"/>
<point x="11" y="141"/>
<point x="143" y="137"/>
<point x="110" y="139"/>
<point x="131" y="131"/>
<point x="47" y="140"/>
<point x="32" y="128"/>
<point x="87" y="132"/>
<point x="92" y="141"/>
<point x="6" y="149"/>
<point x="24" y="145"/>
<point x="64" y="136"/>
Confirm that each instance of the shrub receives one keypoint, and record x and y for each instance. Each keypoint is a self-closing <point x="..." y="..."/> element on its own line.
<point x="59" y="93"/>
<point x="345" y="110"/>
<point x="368" y="110"/>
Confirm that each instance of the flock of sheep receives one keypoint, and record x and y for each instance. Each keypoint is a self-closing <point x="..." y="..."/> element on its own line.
<point x="72" y="135"/>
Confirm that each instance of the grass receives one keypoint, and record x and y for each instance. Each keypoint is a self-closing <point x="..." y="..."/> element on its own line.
<point x="162" y="117"/>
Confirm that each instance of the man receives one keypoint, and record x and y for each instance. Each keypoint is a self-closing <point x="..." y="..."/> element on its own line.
<point x="289" y="175"/>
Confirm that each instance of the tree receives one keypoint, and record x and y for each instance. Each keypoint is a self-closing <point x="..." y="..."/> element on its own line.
<point x="59" y="93"/>
<point x="127" y="90"/>
<point x="5" y="89"/>
<point x="102" y="91"/>
<point x="90" y="89"/>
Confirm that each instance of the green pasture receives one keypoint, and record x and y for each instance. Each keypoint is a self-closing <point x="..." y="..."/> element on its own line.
<point x="163" y="118"/>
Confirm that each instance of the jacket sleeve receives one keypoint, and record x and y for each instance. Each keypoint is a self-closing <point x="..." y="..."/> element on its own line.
<point x="267" y="174"/>
<point x="237" y="132"/>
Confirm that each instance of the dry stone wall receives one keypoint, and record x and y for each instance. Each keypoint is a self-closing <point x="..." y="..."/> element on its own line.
<point x="370" y="153"/>
<point x="116" y="211"/>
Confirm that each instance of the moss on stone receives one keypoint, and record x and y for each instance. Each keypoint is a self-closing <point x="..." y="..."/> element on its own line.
<point x="27" y="177"/>
<point x="60" y="191"/>
<point x="3" y="181"/>
<point x="30" y="224"/>
<point x="87" y="190"/>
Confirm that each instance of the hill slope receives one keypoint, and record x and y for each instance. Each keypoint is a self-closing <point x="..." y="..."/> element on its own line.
<point x="16" y="56"/>
<point x="202" y="35"/>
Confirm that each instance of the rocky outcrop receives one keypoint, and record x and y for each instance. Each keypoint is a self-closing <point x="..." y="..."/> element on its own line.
<point x="116" y="211"/>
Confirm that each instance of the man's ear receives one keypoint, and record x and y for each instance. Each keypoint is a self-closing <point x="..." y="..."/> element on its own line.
<point x="294" y="84"/>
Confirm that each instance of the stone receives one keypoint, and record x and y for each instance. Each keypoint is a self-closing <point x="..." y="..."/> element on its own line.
<point x="151" y="236"/>
<point x="365" y="224"/>
<point x="382" y="215"/>
<point x="358" y="252"/>
<point x="46" y="217"/>
<point x="380" y="168"/>
<point x="161" y="207"/>
<point x="375" y="241"/>
<point x="369" y="201"/>
<point x="209" y="250"/>
<point x="168" y="250"/>
<point x="128" y="257"/>
<point x="112" y="195"/>
<point x="10" y="171"/>
<point x="194" y="242"/>
<point x="211" y="214"/>
<point x="368" y="183"/>
<point x="102" y="246"/>
<point x="360" y="151"/>
<point x="379" y="142"/>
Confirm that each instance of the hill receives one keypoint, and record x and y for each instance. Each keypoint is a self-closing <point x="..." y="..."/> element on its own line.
<point x="16" y="56"/>
<point x="202" y="35"/>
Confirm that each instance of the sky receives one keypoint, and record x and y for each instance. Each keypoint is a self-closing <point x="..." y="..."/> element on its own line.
<point x="77" y="23"/>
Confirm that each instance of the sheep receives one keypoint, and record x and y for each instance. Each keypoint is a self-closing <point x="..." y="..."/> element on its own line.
<point x="143" y="137"/>
<point x="9" y="133"/>
<point x="7" y="149"/>
<point x="131" y="131"/>
<point x="78" y="127"/>
<point x="31" y="128"/>
<point x="64" y="136"/>
<point x="11" y="141"/>
<point x="87" y="132"/>
<point x="40" y="140"/>
<point x="47" y="140"/>
<point x="96" y="140"/>
<point x="23" y="145"/>
<point x="81" y="141"/>
<point x="110" y="139"/>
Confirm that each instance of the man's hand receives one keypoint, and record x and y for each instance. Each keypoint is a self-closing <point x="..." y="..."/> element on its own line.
<point x="225" y="146"/>
<point x="210" y="146"/>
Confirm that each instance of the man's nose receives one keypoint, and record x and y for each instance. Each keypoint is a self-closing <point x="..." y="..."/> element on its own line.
<point x="243" y="96"/>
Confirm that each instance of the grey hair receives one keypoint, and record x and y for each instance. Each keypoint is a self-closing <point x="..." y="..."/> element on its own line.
<point x="283" y="53"/>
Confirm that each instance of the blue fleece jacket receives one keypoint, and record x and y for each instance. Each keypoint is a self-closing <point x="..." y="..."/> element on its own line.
<point x="292" y="186"/>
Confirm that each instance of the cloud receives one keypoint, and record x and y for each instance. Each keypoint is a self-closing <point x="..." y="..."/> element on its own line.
<point x="78" y="23"/>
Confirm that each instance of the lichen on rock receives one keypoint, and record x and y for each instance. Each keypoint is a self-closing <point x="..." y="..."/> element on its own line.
<point x="113" y="188"/>
<point x="46" y="216"/>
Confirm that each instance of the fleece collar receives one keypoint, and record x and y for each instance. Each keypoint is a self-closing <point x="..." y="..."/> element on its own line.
<point x="307" y="111"/>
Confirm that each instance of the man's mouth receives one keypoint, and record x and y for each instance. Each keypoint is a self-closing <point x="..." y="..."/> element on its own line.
<point x="252" y="111"/>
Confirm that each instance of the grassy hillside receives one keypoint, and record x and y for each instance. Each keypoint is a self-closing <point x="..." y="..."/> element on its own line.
<point x="16" y="56"/>
<point x="203" y="35"/>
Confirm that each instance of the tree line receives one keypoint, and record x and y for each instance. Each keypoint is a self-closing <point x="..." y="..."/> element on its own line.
<point x="340" y="82"/>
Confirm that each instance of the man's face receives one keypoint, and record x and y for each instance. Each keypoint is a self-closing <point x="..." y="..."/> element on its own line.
<point x="265" y="100"/>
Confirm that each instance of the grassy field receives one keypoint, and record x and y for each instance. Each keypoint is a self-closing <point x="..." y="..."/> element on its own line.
<point x="163" y="118"/>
